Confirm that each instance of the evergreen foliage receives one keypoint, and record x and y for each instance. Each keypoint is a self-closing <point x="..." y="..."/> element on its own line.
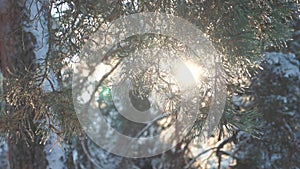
<point x="241" y="30"/>
<point x="276" y="90"/>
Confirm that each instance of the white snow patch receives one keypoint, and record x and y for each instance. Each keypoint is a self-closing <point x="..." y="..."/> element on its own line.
<point x="287" y="64"/>
<point x="39" y="28"/>
<point x="55" y="155"/>
<point x="3" y="6"/>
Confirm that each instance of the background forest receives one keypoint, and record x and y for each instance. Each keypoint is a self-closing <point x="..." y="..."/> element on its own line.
<point x="259" y="46"/>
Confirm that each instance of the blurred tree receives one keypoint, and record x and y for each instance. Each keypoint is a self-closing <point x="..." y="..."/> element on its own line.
<point x="277" y="96"/>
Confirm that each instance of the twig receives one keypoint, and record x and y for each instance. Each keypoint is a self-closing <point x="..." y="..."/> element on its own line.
<point x="194" y="159"/>
<point x="218" y="151"/>
<point x="151" y="123"/>
<point x="100" y="83"/>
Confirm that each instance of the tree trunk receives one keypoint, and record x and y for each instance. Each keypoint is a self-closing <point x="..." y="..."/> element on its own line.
<point x="26" y="157"/>
<point x="17" y="56"/>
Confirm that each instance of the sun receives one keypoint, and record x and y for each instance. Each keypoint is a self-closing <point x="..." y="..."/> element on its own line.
<point x="188" y="73"/>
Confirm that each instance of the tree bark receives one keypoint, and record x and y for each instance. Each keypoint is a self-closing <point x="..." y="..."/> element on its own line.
<point x="17" y="57"/>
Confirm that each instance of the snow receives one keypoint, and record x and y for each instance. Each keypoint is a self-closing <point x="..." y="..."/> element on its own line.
<point x="2" y="104"/>
<point x="3" y="154"/>
<point x="287" y="64"/>
<point x="3" y="6"/>
<point x="236" y="100"/>
<point x="55" y="154"/>
<point x="38" y="27"/>
<point x="62" y="6"/>
<point x="3" y="143"/>
<point x="208" y="159"/>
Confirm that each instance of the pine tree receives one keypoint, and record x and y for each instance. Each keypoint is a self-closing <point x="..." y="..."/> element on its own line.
<point x="277" y="95"/>
<point x="22" y="107"/>
<point x="240" y="30"/>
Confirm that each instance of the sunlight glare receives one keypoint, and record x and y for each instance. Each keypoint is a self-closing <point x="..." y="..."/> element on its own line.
<point x="188" y="73"/>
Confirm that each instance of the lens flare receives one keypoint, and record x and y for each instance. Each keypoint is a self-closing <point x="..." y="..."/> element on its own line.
<point x="188" y="73"/>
